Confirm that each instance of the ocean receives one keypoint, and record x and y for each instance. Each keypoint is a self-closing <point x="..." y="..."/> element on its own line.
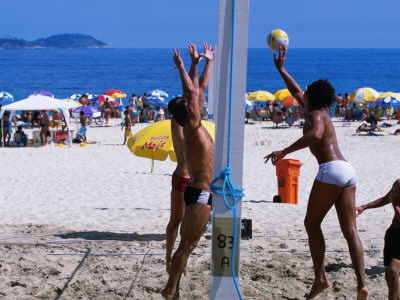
<point x="66" y="72"/>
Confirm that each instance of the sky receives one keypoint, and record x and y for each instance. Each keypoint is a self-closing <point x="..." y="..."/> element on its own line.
<point x="175" y="23"/>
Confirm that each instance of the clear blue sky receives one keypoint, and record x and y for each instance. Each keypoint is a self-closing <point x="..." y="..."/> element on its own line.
<point x="174" y="23"/>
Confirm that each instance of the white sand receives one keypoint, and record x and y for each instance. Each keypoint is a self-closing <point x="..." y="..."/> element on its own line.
<point x="57" y="202"/>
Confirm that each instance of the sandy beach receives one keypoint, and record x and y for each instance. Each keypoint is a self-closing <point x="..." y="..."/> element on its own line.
<point x="89" y="222"/>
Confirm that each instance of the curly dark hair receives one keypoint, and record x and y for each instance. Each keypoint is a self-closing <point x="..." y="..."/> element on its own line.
<point x="321" y="94"/>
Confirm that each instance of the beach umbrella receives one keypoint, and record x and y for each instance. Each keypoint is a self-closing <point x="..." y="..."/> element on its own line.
<point x="115" y="94"/>
<point x="156" y="101"/>
<point x="157" y="93"/>
<point x="389" y="99"/>
<point x="289" y="101"/>
<point x="75" y="97"/>
<point x="175" y="96"/>
<point x="45" y="93"/>
<point x="155" y="141"/>
<point x="6" y="98"/>
<point x="281" y="94"/>
<point x="103" y="98"/>
<point x="365" y="94"/>
<point x="76" y="103"/>
<point x="89" y="111"/>
<point x="249" y="104"/>
<point x="260" y="96"/>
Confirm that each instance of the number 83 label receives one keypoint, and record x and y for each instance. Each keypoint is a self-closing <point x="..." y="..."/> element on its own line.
<point x="222" y="246"/>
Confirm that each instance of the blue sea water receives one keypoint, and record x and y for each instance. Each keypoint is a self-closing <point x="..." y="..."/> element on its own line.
<point x="66" y="72"/>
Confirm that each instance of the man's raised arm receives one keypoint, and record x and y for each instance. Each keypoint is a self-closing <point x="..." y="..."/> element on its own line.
<point x="291" y="84"/>
<point x="195" y="57"/>
<point x="205" y="76"/>
<point x="188" y="88"/>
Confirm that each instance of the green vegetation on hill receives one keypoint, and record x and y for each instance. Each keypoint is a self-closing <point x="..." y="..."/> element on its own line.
<point x="59" y="41"/>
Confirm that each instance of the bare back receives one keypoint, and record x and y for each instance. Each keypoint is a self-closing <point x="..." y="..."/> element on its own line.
<point x="199" y="156"/>
<point x="326" y="149"/>
<point x="177" y="141"/>
<point x="395" y="200"/>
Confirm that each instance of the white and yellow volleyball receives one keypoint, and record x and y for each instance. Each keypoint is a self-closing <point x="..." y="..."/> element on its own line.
<point x="277" y="38"/>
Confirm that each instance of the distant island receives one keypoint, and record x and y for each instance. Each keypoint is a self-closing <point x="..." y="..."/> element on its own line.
<point x="59" y="41"/>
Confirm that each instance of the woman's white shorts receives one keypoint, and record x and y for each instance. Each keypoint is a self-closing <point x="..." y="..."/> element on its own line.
<point x="337" y="172"/>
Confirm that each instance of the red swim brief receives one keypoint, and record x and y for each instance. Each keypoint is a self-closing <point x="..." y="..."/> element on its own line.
<point x="180" y="183"/>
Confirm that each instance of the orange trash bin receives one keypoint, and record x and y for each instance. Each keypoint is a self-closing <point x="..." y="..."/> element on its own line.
<point x="288" y="172"/>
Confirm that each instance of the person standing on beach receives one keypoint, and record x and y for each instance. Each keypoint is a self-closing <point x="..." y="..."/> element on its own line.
<point x="391" y="251"/>
<point x="44" y="131"/>
<point x="180" y="177"/>
<point x="83" y="130"/>
<point x="335" y="183"/>
<point x="127" y="125"/>
<point x="198" y="153"/>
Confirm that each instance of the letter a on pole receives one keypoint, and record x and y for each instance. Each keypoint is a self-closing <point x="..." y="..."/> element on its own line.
<point x="229" y="102"/>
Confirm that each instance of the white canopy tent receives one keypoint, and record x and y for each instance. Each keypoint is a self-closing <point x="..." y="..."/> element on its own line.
<point x="40" y="102"/>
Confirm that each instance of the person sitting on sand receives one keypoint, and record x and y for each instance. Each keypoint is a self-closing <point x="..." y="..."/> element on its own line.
<point x="83" y="129"/>
<point x="335" y="183"/>
<point x="365" y="126"/>
<point x="44" y="125"/>
<point x="24" y="138"/>
<point x="198" y="148"/>
<point x="391" y="251"/>
<point x="127" y="125"/>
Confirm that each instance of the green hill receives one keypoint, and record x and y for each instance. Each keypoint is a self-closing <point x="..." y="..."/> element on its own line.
<point x="59" y="41"/>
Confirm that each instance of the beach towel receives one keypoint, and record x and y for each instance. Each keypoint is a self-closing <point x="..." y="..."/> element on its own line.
<point x="370" y="133"/>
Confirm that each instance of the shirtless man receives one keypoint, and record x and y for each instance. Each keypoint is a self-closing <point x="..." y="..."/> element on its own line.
<point x="335" y="183"/>
<point x="44" y="124"/>
<point x="181" y="177"/>
<point x="198" y="152"/>
<point x="391" y="252"/>
<point x="127" y="124"/>
<point x="107" y="109"/>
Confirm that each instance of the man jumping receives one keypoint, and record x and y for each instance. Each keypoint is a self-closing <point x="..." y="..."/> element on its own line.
<point x="391" y="252"/>
<point x="180" y="177"/>
<point x="198" y="155"/>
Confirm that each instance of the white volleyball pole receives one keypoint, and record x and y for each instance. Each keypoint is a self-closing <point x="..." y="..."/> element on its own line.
<point x="232" y="15"/>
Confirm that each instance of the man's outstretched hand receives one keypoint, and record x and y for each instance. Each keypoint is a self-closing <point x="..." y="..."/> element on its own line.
<point x="208" y="53"/>
<point x="196" y="58"/>
<point x="177" y="59"/>
<point x="280" y="61"/>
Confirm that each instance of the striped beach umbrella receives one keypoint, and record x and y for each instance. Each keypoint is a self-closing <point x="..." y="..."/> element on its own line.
<point x="157" y="93"/>
<point x="365" y="94"/>
<point x="389" y="99"/>
<point x="260" y="96"/>
<point x="156" y="101"/>
<point x="6" y="98"/>
<point x="115" y="93"/>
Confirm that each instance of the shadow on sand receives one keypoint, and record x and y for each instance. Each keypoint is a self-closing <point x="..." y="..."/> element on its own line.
<point x="112" y="236"/>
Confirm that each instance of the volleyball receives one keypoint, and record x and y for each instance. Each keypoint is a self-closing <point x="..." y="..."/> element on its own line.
<point x="277" y="38"/>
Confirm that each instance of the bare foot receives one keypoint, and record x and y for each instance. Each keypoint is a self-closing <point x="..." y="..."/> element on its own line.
<point x="362" y="294"/>
<point x="317" y="288"/>
<point x="169" y="295"/>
